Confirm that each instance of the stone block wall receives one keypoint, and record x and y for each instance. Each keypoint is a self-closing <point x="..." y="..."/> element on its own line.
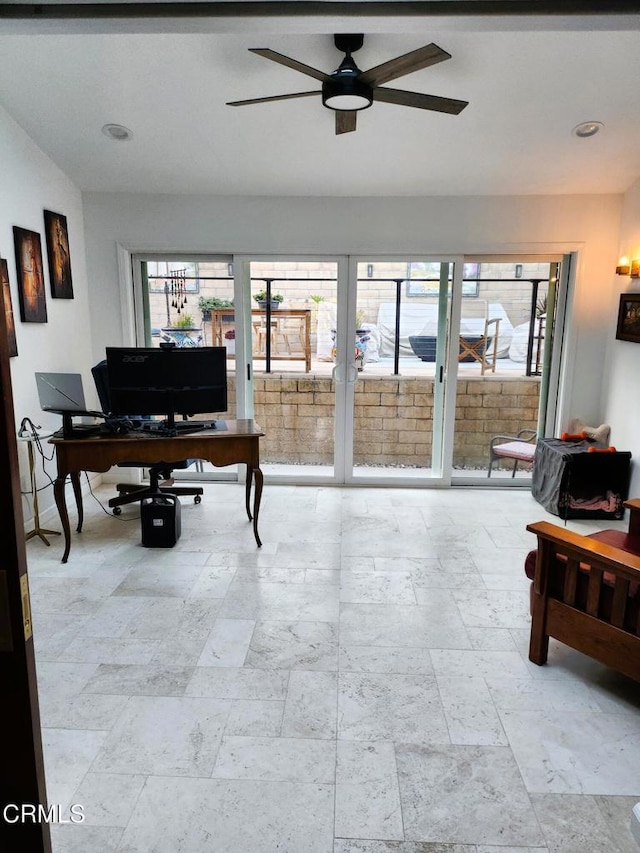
<point x="393" y="418"/>
<point x="297" y="415"/>
<point x="491" y="406"/>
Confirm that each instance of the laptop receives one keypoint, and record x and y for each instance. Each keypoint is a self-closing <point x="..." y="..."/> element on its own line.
<point x="63" y="394"/>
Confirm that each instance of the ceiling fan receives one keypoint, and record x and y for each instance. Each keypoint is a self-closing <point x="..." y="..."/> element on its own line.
<point x="348" y="89"/>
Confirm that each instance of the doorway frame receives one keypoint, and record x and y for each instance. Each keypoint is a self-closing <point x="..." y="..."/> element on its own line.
<point x="446" y="370"/>
<point x="245" y="377"/>
<point x="563" y="361"/>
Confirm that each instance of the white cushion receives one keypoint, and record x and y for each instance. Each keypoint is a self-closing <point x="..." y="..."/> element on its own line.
<point x="515" y="450"/>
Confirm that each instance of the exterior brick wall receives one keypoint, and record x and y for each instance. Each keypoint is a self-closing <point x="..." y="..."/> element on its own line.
<point x="491" y="406"/>
<point x="393" y="418"/>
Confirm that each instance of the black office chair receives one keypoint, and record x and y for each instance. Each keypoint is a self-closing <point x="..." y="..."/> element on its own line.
<point x="130" y="492"/>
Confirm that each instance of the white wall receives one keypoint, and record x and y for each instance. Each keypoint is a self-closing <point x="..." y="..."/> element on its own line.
<point x="621" y="383"/>
<point x="369" y="226"/>
<point x="29" y="184"/>
<point x="78" y="330"/>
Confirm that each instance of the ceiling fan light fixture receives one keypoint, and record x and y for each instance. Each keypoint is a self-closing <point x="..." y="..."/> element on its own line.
<point x="347" y="90"/>
<point x="346" y="93"/>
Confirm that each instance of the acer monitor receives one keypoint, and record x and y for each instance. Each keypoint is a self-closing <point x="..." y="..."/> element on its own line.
<point x="168" y="381"/>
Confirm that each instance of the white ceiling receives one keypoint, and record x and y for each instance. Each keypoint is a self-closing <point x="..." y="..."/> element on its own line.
<point x="527" y="89"/>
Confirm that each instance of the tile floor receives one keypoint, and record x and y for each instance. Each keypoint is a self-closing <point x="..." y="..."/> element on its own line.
<point x="359" y="685"/>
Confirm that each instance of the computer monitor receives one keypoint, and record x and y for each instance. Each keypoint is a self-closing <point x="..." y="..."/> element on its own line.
<point x="167" y="381"/>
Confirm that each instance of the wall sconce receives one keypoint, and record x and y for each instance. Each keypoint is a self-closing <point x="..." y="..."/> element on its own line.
<point x="631" y="269"/>
<point x="623" y="267"/>
<point x="369" y="270"/>
<point x="518" y="270"/>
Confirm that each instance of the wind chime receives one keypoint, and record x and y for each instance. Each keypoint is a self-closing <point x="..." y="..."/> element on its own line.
<point x="178" y="289"/>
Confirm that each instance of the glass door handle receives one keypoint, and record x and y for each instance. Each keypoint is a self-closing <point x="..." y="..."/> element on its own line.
<point x="352" y="374"/>
<point x="337" y="374"/>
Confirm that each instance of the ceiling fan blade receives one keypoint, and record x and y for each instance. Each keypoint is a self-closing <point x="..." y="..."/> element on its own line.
<point x="417" y="99"/>
<point x="271" y="98"/>
<point x="423" y="57"/>
<point x="290" y="63"/>
<point x="346" y="121"/>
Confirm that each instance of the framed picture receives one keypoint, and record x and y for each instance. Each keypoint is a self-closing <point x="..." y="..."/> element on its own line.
<point x="629" y="318"/>
<point x="8" y="309"/>
<point x="423" y="279"/>
<point x="33" y="302"/>
<point x="58" y="255"/>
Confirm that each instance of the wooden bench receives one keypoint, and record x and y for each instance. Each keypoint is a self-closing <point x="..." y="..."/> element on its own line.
<point x="585" y="593"/>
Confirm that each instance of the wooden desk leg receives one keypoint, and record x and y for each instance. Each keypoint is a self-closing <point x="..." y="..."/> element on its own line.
<point x="77" y="491"/>
<point x="257" y="473"/>
<point x="247" y="491"/>
<point x="58" y="493"/>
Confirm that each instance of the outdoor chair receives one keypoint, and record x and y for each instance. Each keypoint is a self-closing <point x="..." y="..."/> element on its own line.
<point x="520" y="448"/>
<point x="482" y="348"/>
<point x="260" y="332"/>
<point x="292" y="331"/>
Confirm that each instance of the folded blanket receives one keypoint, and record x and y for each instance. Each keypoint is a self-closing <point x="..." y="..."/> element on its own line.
<point x="607" y="504"/>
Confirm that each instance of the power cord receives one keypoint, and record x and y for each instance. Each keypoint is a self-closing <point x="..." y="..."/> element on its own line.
<point x="104" y="508"/>
<point x="30" y="430"/>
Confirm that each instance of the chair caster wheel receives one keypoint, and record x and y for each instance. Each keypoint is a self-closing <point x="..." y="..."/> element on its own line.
<point x="117" y="510"/>
<point x="197" y="499"/>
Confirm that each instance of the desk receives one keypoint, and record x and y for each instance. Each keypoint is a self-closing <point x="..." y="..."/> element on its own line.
<point x="291" y="327"/>
<point x="238" y="443"/>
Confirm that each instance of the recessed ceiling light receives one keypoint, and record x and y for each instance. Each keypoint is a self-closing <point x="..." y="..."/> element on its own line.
<point x="117" y="132"/>
<point x="587" y="128"/>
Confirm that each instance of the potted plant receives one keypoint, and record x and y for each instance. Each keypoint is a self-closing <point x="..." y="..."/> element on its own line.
<point x="261" y="299"/>
<point x="179" y="331"/>
<point x="230" y="341"/>
<point x="184" y="321"/>
<point x="207" y="304"/>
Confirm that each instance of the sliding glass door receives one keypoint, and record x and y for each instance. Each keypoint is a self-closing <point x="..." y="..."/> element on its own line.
<point x="291" y="350"/>
<point x="396" y="369"/>
<point x="334" y="378"/>
<point x="503" y="390"/>
<point x="176" y="299"/>
<point x="370" y="370"/>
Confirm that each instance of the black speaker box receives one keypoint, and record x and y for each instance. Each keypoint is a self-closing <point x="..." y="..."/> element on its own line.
<point x="160" y="521"/>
